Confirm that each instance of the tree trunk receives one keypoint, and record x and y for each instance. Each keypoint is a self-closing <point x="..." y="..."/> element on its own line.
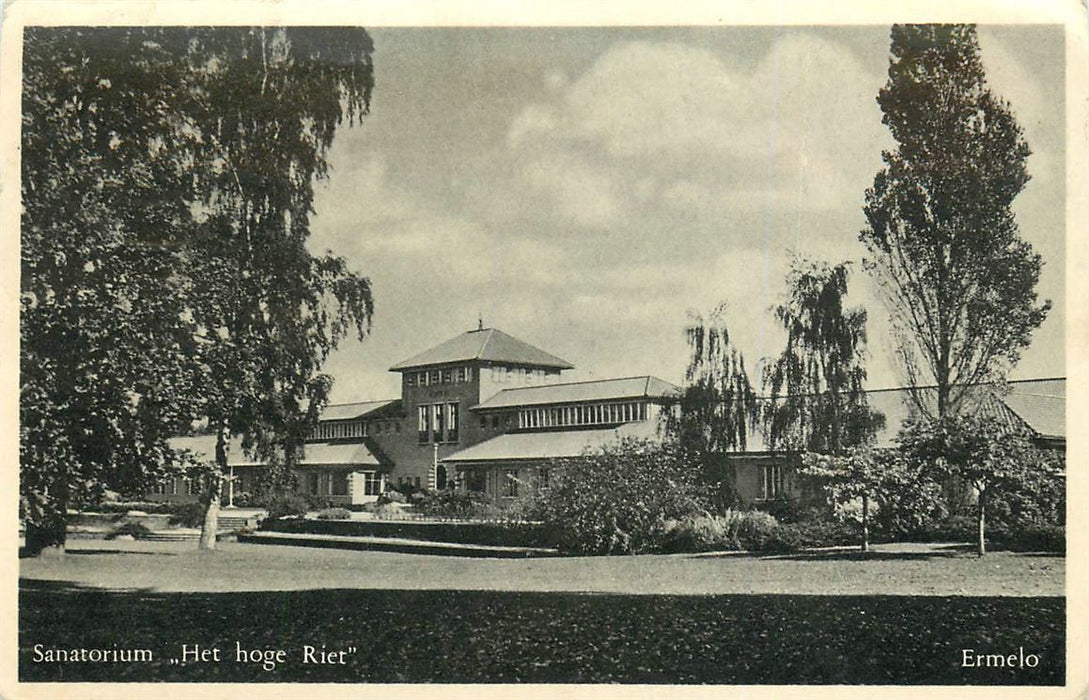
<point x="210" y="495"/>
<point x="981" y="544"/>
<point x="865" y="523"/>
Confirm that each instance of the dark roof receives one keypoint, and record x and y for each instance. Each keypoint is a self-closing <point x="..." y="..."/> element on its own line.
<point x="550" y="445"/>
<point x="487" y="345"/>
<point x="576" y="392"/>
<point x="359" y="409"/>
<point x="1036" y="404"/>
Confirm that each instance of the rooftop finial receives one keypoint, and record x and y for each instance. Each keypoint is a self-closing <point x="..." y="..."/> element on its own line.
<point x="480" y="323"/>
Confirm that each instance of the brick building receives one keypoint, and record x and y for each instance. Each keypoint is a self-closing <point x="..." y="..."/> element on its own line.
<point x="487" y="411"/>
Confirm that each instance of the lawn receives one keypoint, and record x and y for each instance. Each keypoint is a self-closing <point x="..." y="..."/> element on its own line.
<point x="888" y="570"/>
<point x="898" y="616"/>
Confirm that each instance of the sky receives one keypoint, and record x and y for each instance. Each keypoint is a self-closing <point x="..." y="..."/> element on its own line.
<point x="587" y="189"/>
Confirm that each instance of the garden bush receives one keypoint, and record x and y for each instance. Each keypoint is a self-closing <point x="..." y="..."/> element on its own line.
<point x="449" y="503"/>
<point x="699" y="533"/>
<point x="188" y="515"/>
<point x="288" y="505"/>
<point x="758" y="531"/>
<point x="392" y="496"/>
<point x="615" y="501"/>
<point x="334" y="514"/>
<point x="1030" y="538"/>
<point x="135" y="530"/>
<point x="814" y="533"/>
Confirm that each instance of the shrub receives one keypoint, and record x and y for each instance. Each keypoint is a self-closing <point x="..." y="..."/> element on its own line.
<point x="288" y="505"/>
<point x="452" y="504"/>
<point x="135" y="530"/>
<point x="188" y="515"/>
<point x="700" y="533"/>
<point x="758" y="531"/>
<point x="616" y="500"/>
<point x="1031" y="538"/>
<point x="392" y="496"/>
<point x="818" y="533"/>
<point x="334" y="514"/>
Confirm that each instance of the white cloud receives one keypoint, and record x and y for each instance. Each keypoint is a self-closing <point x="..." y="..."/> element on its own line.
<point x="794" y="131"/>
<point x="583" y="194"/>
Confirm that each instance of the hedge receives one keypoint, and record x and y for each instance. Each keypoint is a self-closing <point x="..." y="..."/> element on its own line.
<point x="495" y="534"/>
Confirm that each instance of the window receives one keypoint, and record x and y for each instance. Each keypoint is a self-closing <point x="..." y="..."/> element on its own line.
<point x="434" y="377"/>
<point x="542" y="478"/>
<point x="410" y="379"/>
<point x="192" y="487"/>
<point x="417" y="480"/>
<point x="437" y="422"/>
<point x="372" y="483"/>
<point x="447" y="376"/>
<point x="451" y="422"/>
<point x="313" y="484"/>
<point x="495" y="422"/>
<point x="510" y="483"/>
<point x="340" y="483"/>
<point x="483" y="422"/>
<point x="424" y="428"/>
<point x="774" y="482"/>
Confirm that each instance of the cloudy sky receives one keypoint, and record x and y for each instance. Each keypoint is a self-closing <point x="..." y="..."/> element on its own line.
<point x="584" y="189"/>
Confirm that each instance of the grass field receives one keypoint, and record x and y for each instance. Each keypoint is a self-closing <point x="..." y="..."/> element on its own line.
<point x="888" y="570"/>
<point x="659" y="619"/>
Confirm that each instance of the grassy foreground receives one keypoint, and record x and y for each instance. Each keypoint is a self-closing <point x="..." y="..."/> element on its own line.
<point x="451" y="636"/>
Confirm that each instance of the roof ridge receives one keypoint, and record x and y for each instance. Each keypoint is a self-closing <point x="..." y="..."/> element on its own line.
<point x="480" y="352"/>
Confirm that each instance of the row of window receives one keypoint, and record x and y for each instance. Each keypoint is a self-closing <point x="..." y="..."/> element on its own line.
<point x="336" y="483"/>
<point x="511" y="481"/>
<point x="437" y="422"/>
<point x="175" y="487"/>
<point x="435" y="377"/>
<point x="774" y="482"/>
<point x="593" y="414"/>
<point x="522" y="375"/>
<point x="353" y="429"/>
<point x="341" y="429"/>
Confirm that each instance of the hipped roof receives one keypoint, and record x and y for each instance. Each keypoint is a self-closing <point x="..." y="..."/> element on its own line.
<point x="486" y="345"/>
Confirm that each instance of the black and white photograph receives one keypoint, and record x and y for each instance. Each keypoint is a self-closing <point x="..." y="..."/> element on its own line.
<point x="360" y="354"/>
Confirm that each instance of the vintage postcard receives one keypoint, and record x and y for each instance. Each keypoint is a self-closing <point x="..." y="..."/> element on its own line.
<point x="448" y="348"/>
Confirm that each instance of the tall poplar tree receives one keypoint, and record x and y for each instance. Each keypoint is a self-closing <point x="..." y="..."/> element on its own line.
<point x="943" y="244"/>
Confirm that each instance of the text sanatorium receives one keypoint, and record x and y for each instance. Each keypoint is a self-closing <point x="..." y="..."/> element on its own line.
<point x="47" y="655"/>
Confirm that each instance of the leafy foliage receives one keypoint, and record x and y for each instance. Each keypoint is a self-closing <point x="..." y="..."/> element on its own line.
<point x="866" y="482"/>
<point x="816" y="399"/>
<point x="999" y="462"/>
<point x="167" y="183"/>
<point x="717" y="406"/>
<point x="941" y="236"/>
<point x="616" y="500"/>
<point x="334" y="514"/>
<point x="752" y="531"/>
<point x="452" y="504"/>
